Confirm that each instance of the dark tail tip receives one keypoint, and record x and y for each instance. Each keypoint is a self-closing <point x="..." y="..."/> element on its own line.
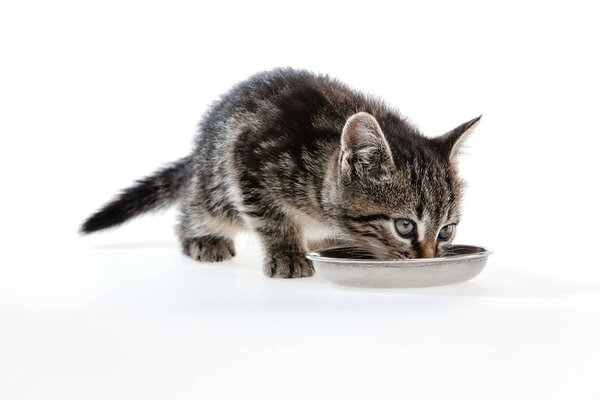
<point x="107" y="217"/>
<point x="156" y="191"/>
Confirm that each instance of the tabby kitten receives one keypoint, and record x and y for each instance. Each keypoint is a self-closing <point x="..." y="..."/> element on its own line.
<point x="299" y="157"/>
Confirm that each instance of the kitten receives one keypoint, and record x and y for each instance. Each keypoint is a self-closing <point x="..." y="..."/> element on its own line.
<point x="297" y="157"/>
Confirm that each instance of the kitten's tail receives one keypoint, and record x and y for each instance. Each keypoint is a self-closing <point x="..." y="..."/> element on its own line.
<point x="159" y="190"/>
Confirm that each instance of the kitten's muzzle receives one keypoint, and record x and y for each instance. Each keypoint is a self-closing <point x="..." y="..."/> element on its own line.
<point x="427" y="250"/>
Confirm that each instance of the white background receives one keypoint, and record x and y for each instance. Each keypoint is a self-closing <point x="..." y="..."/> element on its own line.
<point x="96" y="95"/>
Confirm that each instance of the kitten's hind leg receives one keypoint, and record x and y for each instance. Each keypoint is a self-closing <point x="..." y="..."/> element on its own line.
<point x="208" y="248"/>
<point x="205" y="238"/>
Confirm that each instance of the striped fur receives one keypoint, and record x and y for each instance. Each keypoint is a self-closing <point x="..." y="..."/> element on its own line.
<point x="299" y="157"/>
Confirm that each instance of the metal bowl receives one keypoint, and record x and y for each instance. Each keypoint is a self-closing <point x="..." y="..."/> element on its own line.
<point x="349" y="267"/>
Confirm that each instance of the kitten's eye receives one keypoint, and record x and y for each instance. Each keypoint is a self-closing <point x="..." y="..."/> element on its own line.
<point x="405" y="227"/>
<point x="446" y="232"/>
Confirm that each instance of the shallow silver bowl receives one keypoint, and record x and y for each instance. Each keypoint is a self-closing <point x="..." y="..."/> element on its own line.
<point x="342" y="266"/>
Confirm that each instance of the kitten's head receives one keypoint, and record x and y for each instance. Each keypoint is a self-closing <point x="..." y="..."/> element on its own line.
<point x="398" y="197"/>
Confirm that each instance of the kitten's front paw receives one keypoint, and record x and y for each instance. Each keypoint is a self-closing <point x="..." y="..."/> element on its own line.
<point x="287" y="265"/>
<point x="209" y="248"/>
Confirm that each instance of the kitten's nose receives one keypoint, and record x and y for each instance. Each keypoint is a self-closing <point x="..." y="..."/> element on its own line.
<point x="427" y="250"/>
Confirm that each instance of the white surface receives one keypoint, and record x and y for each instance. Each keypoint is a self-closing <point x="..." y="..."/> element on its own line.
<point x="142" y="321"/>
<point x="95" y="96"/>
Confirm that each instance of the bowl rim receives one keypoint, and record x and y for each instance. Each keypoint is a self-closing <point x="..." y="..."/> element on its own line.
<point x="315" y="256"/>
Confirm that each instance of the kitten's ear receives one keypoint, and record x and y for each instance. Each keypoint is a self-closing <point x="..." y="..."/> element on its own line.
<point x="451" y="142"/>
<point x="365" y="152"/>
